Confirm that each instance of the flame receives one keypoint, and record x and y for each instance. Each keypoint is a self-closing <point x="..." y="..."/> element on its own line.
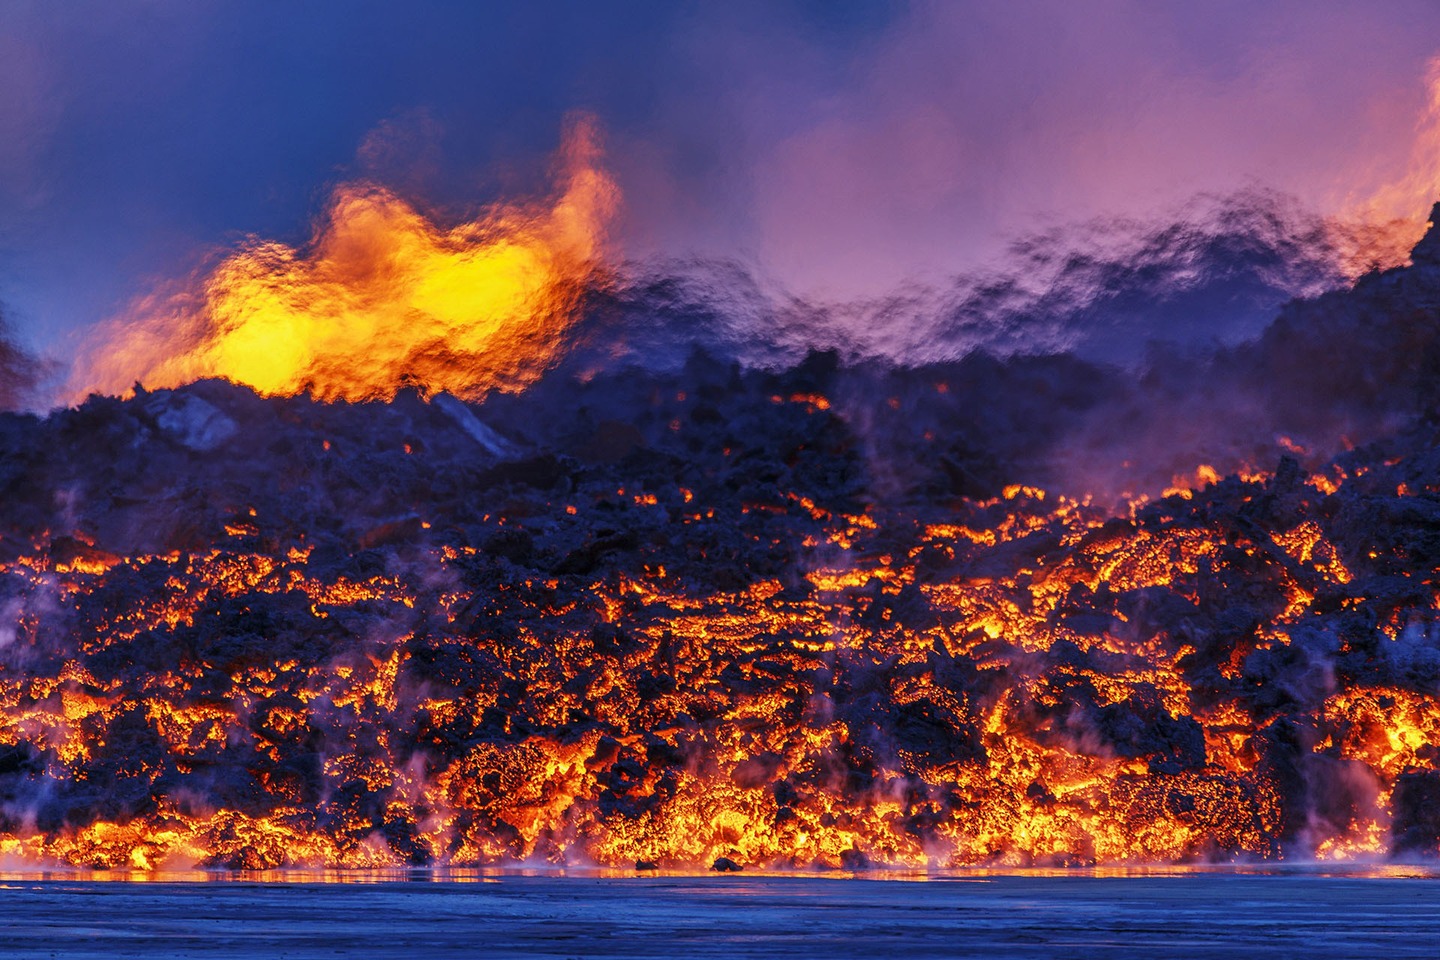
<point x="380" y="298"/>
<point x="1380" y="230"/>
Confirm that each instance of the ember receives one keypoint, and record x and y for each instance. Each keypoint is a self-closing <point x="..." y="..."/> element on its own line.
<point x="732" y="618"/>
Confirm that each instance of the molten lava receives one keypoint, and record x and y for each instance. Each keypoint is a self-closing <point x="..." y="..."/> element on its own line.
<point x="374" y="644"/>
<point x="380" y="298"/>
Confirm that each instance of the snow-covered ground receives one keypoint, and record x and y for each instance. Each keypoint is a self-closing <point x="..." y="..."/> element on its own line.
<point x="1300" y="914"/>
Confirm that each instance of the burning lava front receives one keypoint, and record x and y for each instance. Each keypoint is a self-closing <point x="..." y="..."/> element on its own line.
<point x="824" y="616"/>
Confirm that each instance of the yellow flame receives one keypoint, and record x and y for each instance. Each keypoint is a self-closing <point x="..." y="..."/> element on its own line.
<point x="380" y="298"/>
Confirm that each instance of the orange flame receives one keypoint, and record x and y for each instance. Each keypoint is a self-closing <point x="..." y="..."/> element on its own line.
<point x="380" y="298"/>
<point x="1380" y="230"/>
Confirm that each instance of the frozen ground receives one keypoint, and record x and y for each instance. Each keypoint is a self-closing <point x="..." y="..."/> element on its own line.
<point x="1226" y="914"/>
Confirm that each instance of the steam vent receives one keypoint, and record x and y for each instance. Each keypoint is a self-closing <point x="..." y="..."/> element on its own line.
<point x="838" y="615"/>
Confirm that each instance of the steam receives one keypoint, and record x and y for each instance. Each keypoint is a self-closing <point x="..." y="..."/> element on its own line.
<point x="21" y="374"/>
<point x="847" y="153"/>
<point x="1111" y="359"/>
<point x="899" y="158"/>
<point x="913" y="144"/>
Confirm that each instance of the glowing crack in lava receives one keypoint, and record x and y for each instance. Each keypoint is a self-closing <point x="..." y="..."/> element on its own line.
<point x="611" y="674"/>
<point x="380" y="298"/>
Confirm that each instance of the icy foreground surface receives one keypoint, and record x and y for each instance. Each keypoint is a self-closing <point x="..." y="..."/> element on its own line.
<point x="1299" y="915"/>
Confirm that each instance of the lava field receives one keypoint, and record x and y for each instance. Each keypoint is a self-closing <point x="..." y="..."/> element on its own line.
<point x="1023" y="611"/>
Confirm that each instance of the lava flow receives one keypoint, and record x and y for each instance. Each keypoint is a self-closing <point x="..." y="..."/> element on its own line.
<point x="834" y="615"/>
